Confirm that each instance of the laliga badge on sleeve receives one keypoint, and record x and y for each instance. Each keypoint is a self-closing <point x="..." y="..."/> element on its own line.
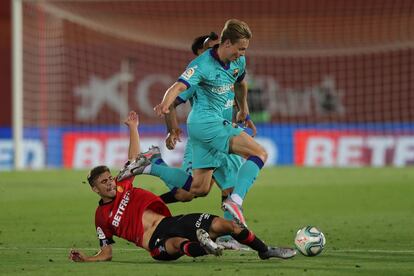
<point x="188" y="73"/>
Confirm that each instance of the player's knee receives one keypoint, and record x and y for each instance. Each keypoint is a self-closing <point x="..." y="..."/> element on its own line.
<point x="183" y="196"/>
<point x="262" y="154"/>
<point x="235" y="228"/>
<point x="199" y="191"/>
<point x="220" y="227"/>
<point x="200" y="188"/>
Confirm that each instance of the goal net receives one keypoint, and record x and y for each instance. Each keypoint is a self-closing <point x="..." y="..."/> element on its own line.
<point x="331" y="83"/>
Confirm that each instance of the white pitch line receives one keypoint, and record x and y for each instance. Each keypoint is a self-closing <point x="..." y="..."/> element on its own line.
<point x="137" y="248"/>
<point x="370" y="251"/>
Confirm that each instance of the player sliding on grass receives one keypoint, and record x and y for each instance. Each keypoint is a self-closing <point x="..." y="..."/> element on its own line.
<point x="216" y="73"/>
<point x="141" y="217"/>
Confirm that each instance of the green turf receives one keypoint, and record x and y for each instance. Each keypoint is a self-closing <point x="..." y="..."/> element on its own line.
<point x="367" y="216"/>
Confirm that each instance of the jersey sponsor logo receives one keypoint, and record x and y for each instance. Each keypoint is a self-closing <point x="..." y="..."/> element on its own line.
<point x="200" y="219"/>
<point x="100" y="233"/>
<point x="121" y="209"/>
<point x="223" y="89"/>
<point x="119" y="189"/>
<point x="236" y="72"/>
<point x="229" y="104"/>
<point x="188" y="73"/>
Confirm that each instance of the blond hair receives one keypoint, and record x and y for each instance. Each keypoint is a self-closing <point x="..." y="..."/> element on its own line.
<point x="234" y="30"/>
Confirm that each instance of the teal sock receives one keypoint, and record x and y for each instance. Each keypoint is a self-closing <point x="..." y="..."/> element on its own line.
<point x="227" y="216"/>
<point x="172" y="177"/>
<point x="247" y="175"/>
<point x="158" y="161"/>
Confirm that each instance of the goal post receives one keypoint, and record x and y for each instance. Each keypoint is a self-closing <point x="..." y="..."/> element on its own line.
<point x="17" y="83"/>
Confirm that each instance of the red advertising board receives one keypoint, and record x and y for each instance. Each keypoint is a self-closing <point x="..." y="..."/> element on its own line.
<point x="86" y="150"/>
<point x="338" y="148"/>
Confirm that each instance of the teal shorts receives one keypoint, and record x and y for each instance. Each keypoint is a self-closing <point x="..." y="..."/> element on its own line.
<point x="209" y="139"/>
<point x="226" y="174"/>
<point x="187" y="164"/>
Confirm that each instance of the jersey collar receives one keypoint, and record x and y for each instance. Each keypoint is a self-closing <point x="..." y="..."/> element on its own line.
<point x="214" y="54"/>
<point x="101" y="203"/>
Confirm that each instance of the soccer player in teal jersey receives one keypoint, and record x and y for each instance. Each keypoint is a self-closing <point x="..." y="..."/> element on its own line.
<point x="226" y="174"/>
<point x="215" y="73"/>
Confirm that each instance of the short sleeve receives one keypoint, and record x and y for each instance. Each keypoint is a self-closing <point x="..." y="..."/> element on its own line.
<point x="103" y="232"/>
<point x="192" y="75"/>
<point x="187" y="94"/>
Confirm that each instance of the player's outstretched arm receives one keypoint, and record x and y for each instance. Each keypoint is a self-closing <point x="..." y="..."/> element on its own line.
<point x="132" y="121"/>
<point x="105" y="254"/>
<point x="169" y="97"/>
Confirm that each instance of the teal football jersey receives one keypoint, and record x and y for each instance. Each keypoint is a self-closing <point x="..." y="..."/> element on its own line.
<point x="214" y="81"/>
<point x="190" y="95"/>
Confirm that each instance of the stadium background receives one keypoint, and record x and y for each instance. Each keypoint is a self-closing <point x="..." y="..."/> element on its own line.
<point x="335" y="80"/>
<point x="331" y="82"/>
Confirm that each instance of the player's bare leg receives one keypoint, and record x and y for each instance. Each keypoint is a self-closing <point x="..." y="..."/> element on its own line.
<point x="183" y="246"/>
<point x="201" y="182"/>
<point x="245" y="146"/>
<point x="221" y="226"/>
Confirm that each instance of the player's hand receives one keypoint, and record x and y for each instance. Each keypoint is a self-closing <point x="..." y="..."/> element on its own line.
<point x="172" y="138"/>
<point x="241" y="116"/>
<point x="161" y="109"/>
<point x="77" y="256"/>
<point x="249" y="123"/>
<point x="132" y="120"/>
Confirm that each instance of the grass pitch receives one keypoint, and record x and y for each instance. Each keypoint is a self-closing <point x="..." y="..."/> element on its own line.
<point x="366" y="215"/>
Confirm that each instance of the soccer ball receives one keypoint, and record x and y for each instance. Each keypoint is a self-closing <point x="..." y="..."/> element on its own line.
<point x="310" y="241"/>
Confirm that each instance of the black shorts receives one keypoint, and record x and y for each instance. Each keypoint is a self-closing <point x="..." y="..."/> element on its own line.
<point x="184" y="226"/>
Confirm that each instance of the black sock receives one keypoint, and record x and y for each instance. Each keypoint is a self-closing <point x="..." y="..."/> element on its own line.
<point x="249" y="238"/>
<point x="169" y="197"/>
<point x="192" y="249"/>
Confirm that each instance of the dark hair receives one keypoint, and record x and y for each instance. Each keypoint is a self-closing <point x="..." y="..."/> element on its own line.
<point x="198" y="42"/>
<point x="95" y="173"/>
